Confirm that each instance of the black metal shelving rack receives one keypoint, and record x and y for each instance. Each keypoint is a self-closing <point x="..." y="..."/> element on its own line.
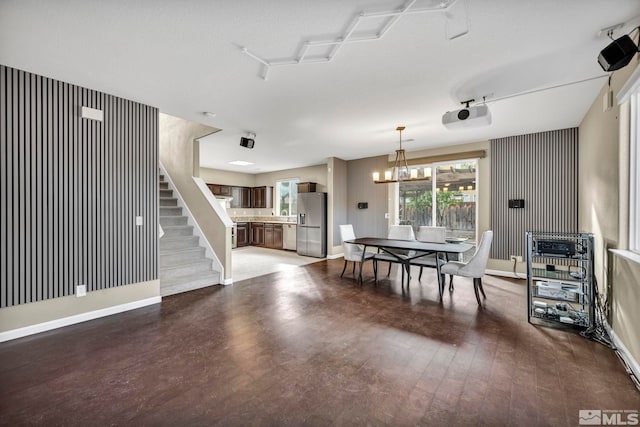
<point x="560" y="279"/>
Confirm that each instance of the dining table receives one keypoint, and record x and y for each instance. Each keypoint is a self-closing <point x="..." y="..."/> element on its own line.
<point x="406" y="251"/>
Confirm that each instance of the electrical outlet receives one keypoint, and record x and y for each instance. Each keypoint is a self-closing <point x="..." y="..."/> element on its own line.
<point x="81" y="291"/>
<point x="516" y="258"/>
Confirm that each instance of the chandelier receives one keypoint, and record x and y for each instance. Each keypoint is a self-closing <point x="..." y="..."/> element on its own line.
<point x="400" y="170"/>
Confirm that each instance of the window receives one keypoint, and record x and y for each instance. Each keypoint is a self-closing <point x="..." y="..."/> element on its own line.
<point x="634" y="173"/>
<point x="446" y="197"/>
<point x="456" y="196"/>
<point x="287" y="197"/>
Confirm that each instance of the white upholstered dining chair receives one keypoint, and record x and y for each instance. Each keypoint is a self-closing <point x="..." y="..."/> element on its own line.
<point x="475" y="268"/>
<point x="431" y="235"/>
<point x="397" y="232"/>
<point x="350" y="251"/>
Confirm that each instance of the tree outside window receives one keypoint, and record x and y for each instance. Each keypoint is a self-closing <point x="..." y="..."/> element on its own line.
<point x="447" y="200"/>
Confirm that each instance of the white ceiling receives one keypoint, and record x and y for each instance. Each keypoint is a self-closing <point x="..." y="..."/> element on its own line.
<point x="185" y="57"/>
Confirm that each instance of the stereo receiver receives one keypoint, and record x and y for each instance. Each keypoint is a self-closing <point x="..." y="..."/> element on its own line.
<point x="555" y="247"/>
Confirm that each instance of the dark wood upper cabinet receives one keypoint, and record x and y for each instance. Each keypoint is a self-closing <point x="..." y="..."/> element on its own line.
<point x="246" y="197"/>
<point x="220" y="190"/>
<point x="236" y="202"/>
<point x="241" y="197"/>
<point x="257" y="197"/>
<point x="262" y="197"/>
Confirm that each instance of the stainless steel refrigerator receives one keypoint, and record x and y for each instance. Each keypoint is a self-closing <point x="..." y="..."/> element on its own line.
<point x="311" y="237"/>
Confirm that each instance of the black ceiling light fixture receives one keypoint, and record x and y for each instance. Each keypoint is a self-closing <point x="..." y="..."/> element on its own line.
<point x="618" y="54"/>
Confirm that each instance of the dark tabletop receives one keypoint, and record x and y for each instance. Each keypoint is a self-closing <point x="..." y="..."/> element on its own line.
<point x="411" y="245"/>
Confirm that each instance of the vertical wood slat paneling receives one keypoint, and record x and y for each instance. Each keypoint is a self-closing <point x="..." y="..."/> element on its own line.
<point x="15" y="213"/>
<point x="542" y="169"/>
<point x="71" y="189"/>
<point x="4" y="179"/>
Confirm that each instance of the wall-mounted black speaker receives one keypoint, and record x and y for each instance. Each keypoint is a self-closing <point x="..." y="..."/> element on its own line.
<point x="618" y="54"/>
<point x="247" y="142"/>
<point x="363" y="205"/>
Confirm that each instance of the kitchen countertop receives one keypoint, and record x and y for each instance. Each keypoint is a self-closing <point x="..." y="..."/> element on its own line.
<point x="267" y="220"/>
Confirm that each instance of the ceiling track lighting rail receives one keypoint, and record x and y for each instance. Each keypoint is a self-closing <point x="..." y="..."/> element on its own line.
<point x="301" y="58"/>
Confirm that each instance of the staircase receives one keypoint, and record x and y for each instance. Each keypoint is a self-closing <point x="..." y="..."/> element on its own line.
<point x="183" y="264"/>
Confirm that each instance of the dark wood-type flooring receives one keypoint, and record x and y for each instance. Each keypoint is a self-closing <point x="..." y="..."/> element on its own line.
<point x="304" y="347"/>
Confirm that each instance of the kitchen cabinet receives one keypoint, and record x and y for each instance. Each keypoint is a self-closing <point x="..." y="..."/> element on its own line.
<point x="257" y="234"/>
<point x="268" y="235"/>
<point x="307" y="187"/>
<point x="246" y="197"/>
<point x="273" y="236"/>
<point x="235" y="201"/>
<point x="262" y="197"/>
<point x="241" y="197"/>
<point x="242" y="234"/>
<point x="277" y="236"/>
<point x="220" y="190"/>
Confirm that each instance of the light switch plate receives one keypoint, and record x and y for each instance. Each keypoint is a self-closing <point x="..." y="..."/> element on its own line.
<point x="138" y="220"/>
<point x="81" y="291"/>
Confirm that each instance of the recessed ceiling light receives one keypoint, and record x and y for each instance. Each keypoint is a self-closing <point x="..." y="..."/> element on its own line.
<point x="240" y="163"/>
<point x="209" y="113"/>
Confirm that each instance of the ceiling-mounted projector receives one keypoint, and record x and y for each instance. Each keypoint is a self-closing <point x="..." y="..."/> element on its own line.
<point x="478" y="115"/>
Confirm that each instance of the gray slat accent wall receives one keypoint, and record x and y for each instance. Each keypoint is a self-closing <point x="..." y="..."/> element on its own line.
<point x="542" y="169"/>
<point x="71" y="189"/>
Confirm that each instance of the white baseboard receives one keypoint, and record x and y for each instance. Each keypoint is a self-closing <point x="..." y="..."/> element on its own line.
<point x="335" y="256"/>
<point x="227" y="282"/>
<point x="78" y="318"/>
<point x="623" y="351"/>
